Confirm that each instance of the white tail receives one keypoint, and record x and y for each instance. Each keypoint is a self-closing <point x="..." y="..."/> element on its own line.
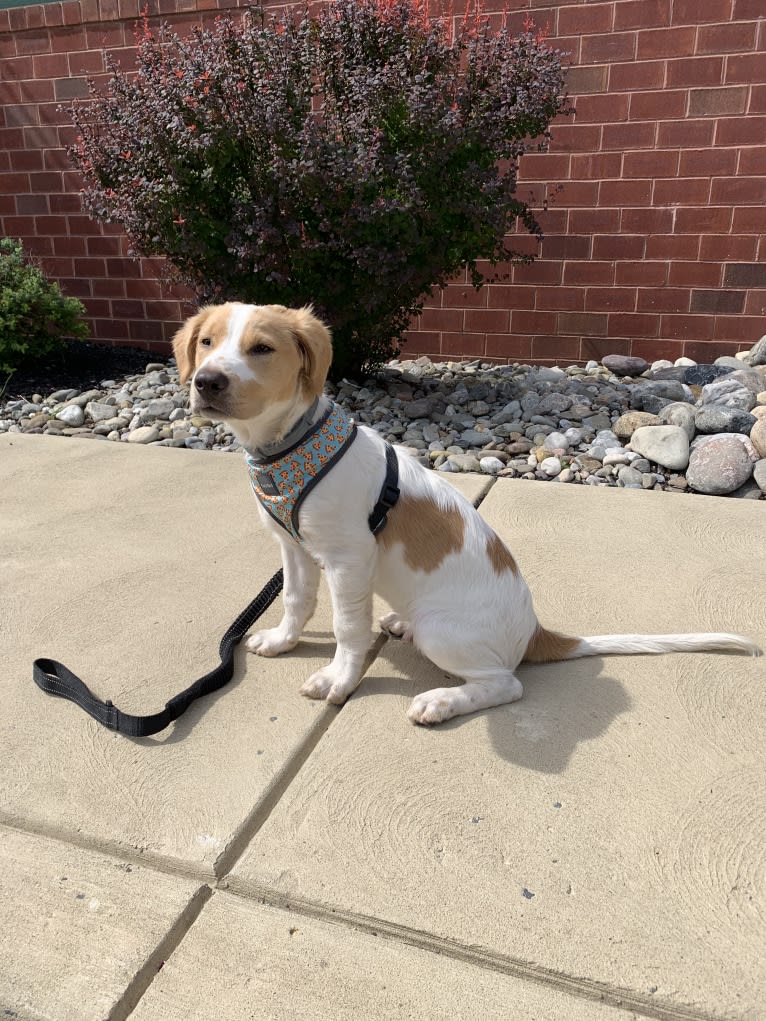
<point x="628" y="645"/>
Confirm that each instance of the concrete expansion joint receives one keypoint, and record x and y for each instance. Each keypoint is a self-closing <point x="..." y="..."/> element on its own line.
<point x="481" y="958"/>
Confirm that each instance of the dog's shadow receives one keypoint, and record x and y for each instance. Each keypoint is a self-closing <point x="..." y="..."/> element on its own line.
<point x="564" y="705"/>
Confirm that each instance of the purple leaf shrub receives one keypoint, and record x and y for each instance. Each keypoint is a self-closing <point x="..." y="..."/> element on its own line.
<point x="352" y="158"/>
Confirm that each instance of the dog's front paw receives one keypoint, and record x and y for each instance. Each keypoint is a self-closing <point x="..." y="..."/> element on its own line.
<point x="436" y="706"/>
<point x="326" y="684"/>
<point x="270" y="643"/>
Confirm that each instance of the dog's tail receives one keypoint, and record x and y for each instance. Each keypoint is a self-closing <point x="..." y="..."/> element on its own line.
<point x="550" y="646"/>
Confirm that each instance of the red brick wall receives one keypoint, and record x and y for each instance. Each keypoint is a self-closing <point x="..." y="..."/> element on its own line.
<point x="655" y="190"/>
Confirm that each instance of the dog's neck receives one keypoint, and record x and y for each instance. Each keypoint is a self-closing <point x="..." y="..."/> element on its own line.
<point x="266" y="438"/>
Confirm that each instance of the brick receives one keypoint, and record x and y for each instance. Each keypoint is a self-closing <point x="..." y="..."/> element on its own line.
<point x="695" y="274"/>
<point x="110" y="329"/>
<point x="717" y="300"/>
<point x="703" y="220"/>
<point x="591" y="272"/>
<point x="732" y="38"/>
<point x="625" y="193"/>
<point x="755" y="302"/>
<point x="33" y="41"/>
<point x="747" y="10"/>
<point x="710" y="162"/>
<point x="511" y="348"/>
<point x="46" y="181"/>
<point x="90" y="267"/>
<point x="657" y="163"/>
<point x="593" y="324"/>
<point x="510" y="296"/>
<point x="613" y="46"/>
<point x="575" y="138"/>
<point x="665" y="42"/>
<point x="687" y="134"/>
<point x="560" y="298"/>
<point x="86" y="62"/>
<point x="563" y="349"/>
<point x="662" y="299"/>
<point x="757" y="102"/>
<point x="144" y="329"/>
<point x="66" y="40"/>
<point x="437" y="319"/>
<point x="21" y="115"/>
<point x="487" y="320"/>
<point x="672" y="246"/>
<point x="606" y="299"/>
<point x="551" y="220"/>
<point x="582" y="81"/>
<point x="706" y="354"/>
<point x="687" y="327"/>
<point x="110" y="287"/>
<point x="688" y="71"/>
<point x="751" y="161"/>
<point x="105" y="36"/>
<point x="594" y="221"/>
<point x="54" y="15"/>
<point x="597" y="348"/>
<point x="640" y="135"/>
<point x="539" y="272"/>
<point x="750" y="220"/>
<point x="463" y="296"/>
<point x="641" y="274"/>
<point x="590" y="19"/>
<point x="544" y="166"/>
<point x="714" y="102"/>
<point x="576" y="193"/>
<point x="741" y="131"/>
<point x="70" y="88"/>
<point x="470" y="344"/>
<point x="596" y="166"/>
<point x="647" y="74"/>
<point x="128" y="268"/>
<point x="598" y="109"/>
<point x="688" y="191"/>
<point x="745" y="274"/>
<point x="692" y="12"/>
<point x="67" y="202"/>
<point x="661" y="105"/>
<point x="23" y="159"/>
<point x="566" y="246"/>
<point x="641" y="14"/>
<point x="745" y="328"/>
<point x="63" y="244"/>
<point x="654" y="349"/>
<point x="728" y="248"/>
<point x="532" y="322"/>
<point x="14" y="184"/>
<point x="622" y="246"/>
<point x="70" y="10"/>
<point x="17" y="68"/>
<point x="739" y="191"/>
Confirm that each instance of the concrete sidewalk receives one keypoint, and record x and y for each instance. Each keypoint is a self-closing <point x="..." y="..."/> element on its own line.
<point x="595" y="851"/>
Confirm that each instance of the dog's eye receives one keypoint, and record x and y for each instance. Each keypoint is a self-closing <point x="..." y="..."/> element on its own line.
<point x="206" y="342"/>
<point x="260" y="349"/>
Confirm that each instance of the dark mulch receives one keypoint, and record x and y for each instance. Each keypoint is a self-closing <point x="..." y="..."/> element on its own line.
<point x="77" y="364"/>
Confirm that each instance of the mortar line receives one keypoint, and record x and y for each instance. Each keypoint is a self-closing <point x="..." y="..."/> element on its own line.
<point x="488" y="960"/>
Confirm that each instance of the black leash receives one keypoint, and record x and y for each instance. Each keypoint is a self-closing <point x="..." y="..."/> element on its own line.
<point x="56" y="679"/>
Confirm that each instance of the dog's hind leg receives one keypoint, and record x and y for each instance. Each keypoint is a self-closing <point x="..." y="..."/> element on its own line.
<point x="299" y="597"/>
<point x="441" y="704"/>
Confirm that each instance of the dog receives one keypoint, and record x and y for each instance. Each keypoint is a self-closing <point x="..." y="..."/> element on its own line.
<point x="454" y="586"/>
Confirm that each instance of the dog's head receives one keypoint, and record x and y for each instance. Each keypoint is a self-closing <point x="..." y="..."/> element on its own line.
<point x="247" y="362"/>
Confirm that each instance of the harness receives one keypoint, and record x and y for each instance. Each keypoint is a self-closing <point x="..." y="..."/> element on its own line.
<point x="282" y="478"/>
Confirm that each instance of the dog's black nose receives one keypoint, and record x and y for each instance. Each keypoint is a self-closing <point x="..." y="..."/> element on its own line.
<point x="210" y="382"/>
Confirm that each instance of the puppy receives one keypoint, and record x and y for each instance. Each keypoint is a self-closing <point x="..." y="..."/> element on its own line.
<point x="455" y="588"/>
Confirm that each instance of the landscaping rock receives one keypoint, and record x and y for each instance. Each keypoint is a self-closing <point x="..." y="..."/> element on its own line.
<point x="625" y="365"/>
<point x="717" y="418"/>
<point x="627" y="424"/>
<point x="666" y="445"/>
<point x="719" y="466"/>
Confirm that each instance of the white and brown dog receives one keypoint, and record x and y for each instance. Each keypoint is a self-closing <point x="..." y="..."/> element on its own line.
<point x="454" y="585"/>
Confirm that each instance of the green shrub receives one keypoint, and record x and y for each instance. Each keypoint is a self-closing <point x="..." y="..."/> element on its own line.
<point x="34" y="314"/>
<point x="352" y="155"/>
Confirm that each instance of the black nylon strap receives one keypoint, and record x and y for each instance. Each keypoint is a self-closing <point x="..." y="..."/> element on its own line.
<point x="389" y="494"/>
<point x="56" y="679"/>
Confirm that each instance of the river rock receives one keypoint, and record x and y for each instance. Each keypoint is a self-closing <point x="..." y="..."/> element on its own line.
<point x="729" y="392"/>
<point x="144" y="434"/>
<point x="759" y="473"/>
<point x="627" y="424"/>
<point x="719" y="466"/>
<point x="625" y="365"/>
<point x="718" y="418"/>
<point x="680" y="414"/>
<point x="666" y="445"/>
<point x="72" y="415"/>
<point x="758" y="436"/>
<point x="757" y="353"/>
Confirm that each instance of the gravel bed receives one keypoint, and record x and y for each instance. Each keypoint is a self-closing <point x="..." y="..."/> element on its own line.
<point x="677" y="427"/>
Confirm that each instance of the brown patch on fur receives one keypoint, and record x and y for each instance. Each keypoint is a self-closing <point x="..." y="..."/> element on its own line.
<point x="549" y="647"/>
<point x="500" y="556"/>
<point x="427" y="532"/>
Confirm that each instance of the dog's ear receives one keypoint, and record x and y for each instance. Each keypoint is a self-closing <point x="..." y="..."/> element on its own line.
<point x="185" y="345"/>
<point x="315" y="345"/>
